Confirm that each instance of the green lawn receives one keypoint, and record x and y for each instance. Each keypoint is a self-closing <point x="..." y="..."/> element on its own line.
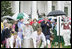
<point x="66" y="46"/>
<point x="58" y="47"/>
<point x="62" y="46"/>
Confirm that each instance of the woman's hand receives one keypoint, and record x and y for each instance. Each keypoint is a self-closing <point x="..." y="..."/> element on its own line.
<point x="47" y="24"/>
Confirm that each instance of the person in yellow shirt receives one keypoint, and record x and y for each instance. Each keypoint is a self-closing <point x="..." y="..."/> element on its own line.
<point x="1" y="35"/>
<point x="2" y="26"/>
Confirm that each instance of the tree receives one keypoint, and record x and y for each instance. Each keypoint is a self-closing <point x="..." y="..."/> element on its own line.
<point x="6" y="8"/>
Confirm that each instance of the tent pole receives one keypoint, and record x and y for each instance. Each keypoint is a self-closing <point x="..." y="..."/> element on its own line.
<point x="59" y="32"/>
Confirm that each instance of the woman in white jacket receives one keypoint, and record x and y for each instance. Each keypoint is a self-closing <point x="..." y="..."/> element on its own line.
<point x="28" y="30"/>
<point x="38" y="38"/>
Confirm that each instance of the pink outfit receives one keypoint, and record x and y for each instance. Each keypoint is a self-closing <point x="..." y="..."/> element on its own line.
<point x="13" y="26"/>
<point x="7" y="43"/>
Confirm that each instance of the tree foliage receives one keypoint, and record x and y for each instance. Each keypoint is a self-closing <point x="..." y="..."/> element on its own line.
<point x="6" y="8"/>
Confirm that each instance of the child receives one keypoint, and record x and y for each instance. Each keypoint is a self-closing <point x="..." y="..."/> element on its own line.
<point x="38" y="38"/>
<point x="15" y="41"/>
<point x="35" y="25"/>
<point x="7" y="34"/>
<point x="3" y="36"/>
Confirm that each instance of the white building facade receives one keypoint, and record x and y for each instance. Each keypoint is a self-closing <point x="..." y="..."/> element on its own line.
<point x="43" y="7"/>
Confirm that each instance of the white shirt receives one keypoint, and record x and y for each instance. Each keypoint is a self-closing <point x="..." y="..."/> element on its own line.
<point x="41" y="36"/>
<point x="28" y="31"/>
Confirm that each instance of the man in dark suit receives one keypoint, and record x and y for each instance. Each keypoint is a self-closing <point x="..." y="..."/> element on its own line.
<point x="46" y="30"/>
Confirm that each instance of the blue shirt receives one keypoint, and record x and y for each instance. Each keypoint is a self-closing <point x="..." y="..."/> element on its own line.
<point x="20" y="25"/>
<point x="52" y="25"/>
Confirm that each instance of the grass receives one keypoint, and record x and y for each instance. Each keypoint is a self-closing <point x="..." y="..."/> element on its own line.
<point x="58" y="47"/>
<point x="62" y="46"/>
<point x="55" y="46"/>
<point x="66" y="46"/>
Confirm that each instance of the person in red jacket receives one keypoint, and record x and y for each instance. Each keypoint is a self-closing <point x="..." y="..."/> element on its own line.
<point x="30" y="21"/>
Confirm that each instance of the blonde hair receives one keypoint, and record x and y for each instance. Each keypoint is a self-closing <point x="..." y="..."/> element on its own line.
<point x="39" y="29"/>
<point x="6" y="24"/>
<point x="10" y="25"/>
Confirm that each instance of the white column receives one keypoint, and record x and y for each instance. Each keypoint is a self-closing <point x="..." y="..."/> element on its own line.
<point x="60" y="5"/>
<point x="69" y="10"/>
<point x="22" y="6"/>
<point x="34" y="10"/>
<point x="49" y="6"/>
<point x="16" y="6"/>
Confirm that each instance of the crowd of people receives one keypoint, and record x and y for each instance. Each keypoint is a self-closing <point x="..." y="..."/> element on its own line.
<point x="30" y="34"/>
